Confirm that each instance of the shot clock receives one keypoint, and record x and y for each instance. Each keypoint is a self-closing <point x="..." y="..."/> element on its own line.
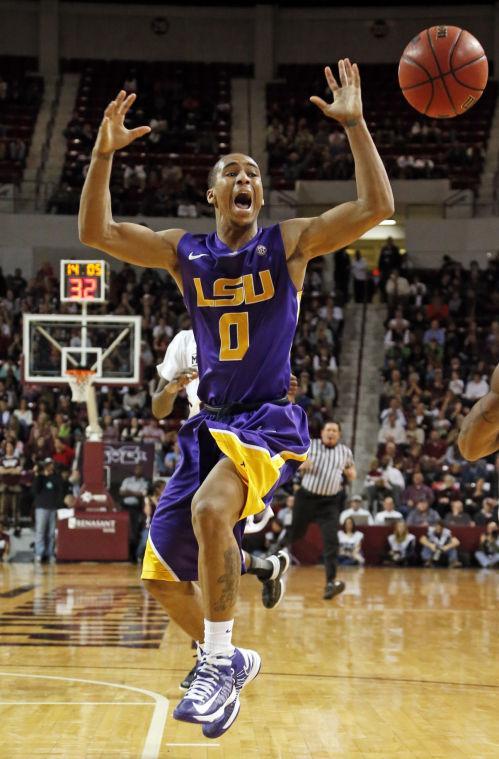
<point x="84" y="281"/>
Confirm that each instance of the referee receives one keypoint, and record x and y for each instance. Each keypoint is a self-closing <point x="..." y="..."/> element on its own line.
<point x="321" y="497"/>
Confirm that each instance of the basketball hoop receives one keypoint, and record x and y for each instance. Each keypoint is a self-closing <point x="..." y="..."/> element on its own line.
<point x="79" y="381"/>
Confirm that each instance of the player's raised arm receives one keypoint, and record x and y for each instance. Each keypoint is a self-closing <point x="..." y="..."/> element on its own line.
<point x="97" y="228"/>
<point x="479" y="435"/>
<point x="338" y="227"/>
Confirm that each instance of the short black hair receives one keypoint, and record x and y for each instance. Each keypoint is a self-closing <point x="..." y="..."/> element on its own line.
<point x="212" y="176"/>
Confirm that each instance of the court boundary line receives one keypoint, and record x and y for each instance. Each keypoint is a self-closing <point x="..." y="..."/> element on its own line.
<point x="154" y="737"/>
<point x="375" y="678"/>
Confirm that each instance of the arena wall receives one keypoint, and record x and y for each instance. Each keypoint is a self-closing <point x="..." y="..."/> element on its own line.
<point x="245" y="35"/>
<point x="29" y="240"/>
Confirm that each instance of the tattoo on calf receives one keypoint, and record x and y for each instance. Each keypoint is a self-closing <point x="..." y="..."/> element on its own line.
<point x="229" y="580"/>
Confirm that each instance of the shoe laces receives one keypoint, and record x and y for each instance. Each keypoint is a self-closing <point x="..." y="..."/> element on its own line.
<point x="207" y="677"/>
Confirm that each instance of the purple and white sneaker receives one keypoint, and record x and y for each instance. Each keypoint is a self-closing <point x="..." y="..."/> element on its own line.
<point x="211" y="692"/>
<point x="246" y="665"/>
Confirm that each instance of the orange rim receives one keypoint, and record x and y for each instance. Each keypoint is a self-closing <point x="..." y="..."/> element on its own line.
<point x="80" y="375"/>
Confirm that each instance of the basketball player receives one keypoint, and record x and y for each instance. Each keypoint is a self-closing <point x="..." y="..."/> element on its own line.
<point x="241" y="286"/>
<point x="179" y="370"/>
<point x="479" y="435"/>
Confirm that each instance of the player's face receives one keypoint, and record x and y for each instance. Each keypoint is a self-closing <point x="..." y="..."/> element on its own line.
<point x="237" y="193"/>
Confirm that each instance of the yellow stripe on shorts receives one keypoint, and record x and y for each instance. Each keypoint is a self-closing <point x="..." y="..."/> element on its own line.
<point x="256" y="467"/>
<point x="155" y="568"/>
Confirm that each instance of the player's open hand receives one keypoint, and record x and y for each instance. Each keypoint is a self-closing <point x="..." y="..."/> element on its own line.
<point x="113" y="133"/>
<point x="347" y="101"/>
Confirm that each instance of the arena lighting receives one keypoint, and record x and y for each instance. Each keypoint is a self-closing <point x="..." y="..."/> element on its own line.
<point x="387" y="223"/>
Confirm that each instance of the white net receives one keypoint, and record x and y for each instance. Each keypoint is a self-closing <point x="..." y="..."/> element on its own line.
<point x="79" y="382"/>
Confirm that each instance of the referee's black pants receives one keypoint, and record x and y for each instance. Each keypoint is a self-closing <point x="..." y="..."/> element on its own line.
<point x="324" y="510"/>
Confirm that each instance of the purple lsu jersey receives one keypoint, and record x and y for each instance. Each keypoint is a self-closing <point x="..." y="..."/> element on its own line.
<point x="244" y="309"/>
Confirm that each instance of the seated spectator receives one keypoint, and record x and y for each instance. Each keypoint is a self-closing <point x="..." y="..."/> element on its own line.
<point x="417" y="490"/>
<point x="376" y="485"/>
<point x="421" y="515"/>
<point x="357" y="511"/>
<point x="393" y="406"/>
<point x="63" y="454"/>
<point x="435" y="332"/>
<point x="439" y="547"/>
<point x="388" y="514"/>
<point x="457" y="516"/>
<point x="476" y="387"/>
<point x="324" y="392"/>
<point x="110" y="433"/>
<point x="414" y="434"/>
<point x="488" y="553"/>
<point x="456" y="384"/>
<point x="488" y="513"/>
<point x="350" y="544"/>
<point x="392" y="429"/>
<point x="394" y="478"/>
<point x="134" y="400"/>
<point x="401" y="550"/>
<point x="437" y="309"/>
<point x="435" y="449"/>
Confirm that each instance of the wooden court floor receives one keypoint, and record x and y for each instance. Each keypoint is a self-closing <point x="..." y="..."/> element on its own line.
<point x="403" y="664"/>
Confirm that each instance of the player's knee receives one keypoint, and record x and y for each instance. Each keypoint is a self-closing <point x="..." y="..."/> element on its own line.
<point x="208" y="515"/>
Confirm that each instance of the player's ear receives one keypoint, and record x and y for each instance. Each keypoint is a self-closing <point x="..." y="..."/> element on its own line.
<point x="210" y="196"/>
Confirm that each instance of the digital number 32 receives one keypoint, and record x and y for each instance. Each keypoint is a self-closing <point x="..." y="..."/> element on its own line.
<point x="234" y="336"/>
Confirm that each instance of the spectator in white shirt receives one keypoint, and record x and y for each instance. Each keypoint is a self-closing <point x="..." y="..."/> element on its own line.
<point x="456" y="384"/>
<point x="401" y="546"/>
<point x="394" y="406"/>
<point x="476" y="387"/>
<point x="389" y="513"/>
<point x="350" y="544"/>
<point x="356" y="509"/>
<point x="391" y="429"/>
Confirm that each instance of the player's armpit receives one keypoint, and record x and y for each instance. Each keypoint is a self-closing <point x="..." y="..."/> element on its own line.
<point x="139" y="245"/>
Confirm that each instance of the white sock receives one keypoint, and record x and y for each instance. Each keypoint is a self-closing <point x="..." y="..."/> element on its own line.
<point x="217" y="637"/>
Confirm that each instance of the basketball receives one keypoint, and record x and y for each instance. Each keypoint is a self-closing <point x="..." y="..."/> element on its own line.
<point x="443" y="71"/>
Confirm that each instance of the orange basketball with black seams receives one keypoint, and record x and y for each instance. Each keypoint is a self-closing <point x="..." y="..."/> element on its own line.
<point x="443" y="71"/>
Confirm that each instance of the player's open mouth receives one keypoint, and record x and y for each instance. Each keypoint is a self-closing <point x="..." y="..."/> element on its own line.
<point x="243" y="201"/>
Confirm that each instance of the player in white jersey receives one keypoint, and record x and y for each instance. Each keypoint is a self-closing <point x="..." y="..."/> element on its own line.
<point x="178" y="371"/>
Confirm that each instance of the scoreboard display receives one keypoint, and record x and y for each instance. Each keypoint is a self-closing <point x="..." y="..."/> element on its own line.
<point x="84" y="281"/>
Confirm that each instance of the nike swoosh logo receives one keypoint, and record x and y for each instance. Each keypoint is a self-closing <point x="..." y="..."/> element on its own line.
<point x="193" y="257"/>
<point x="204" y="708"/>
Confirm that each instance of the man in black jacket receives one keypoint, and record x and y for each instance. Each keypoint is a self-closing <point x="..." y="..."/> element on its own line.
<point x="48" y="496"/>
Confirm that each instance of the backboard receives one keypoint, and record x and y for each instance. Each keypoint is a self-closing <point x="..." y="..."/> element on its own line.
<point x="109" y="345"/>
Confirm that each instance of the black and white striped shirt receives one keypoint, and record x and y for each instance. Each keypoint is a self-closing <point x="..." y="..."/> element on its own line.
<point x="328" y="464"/>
